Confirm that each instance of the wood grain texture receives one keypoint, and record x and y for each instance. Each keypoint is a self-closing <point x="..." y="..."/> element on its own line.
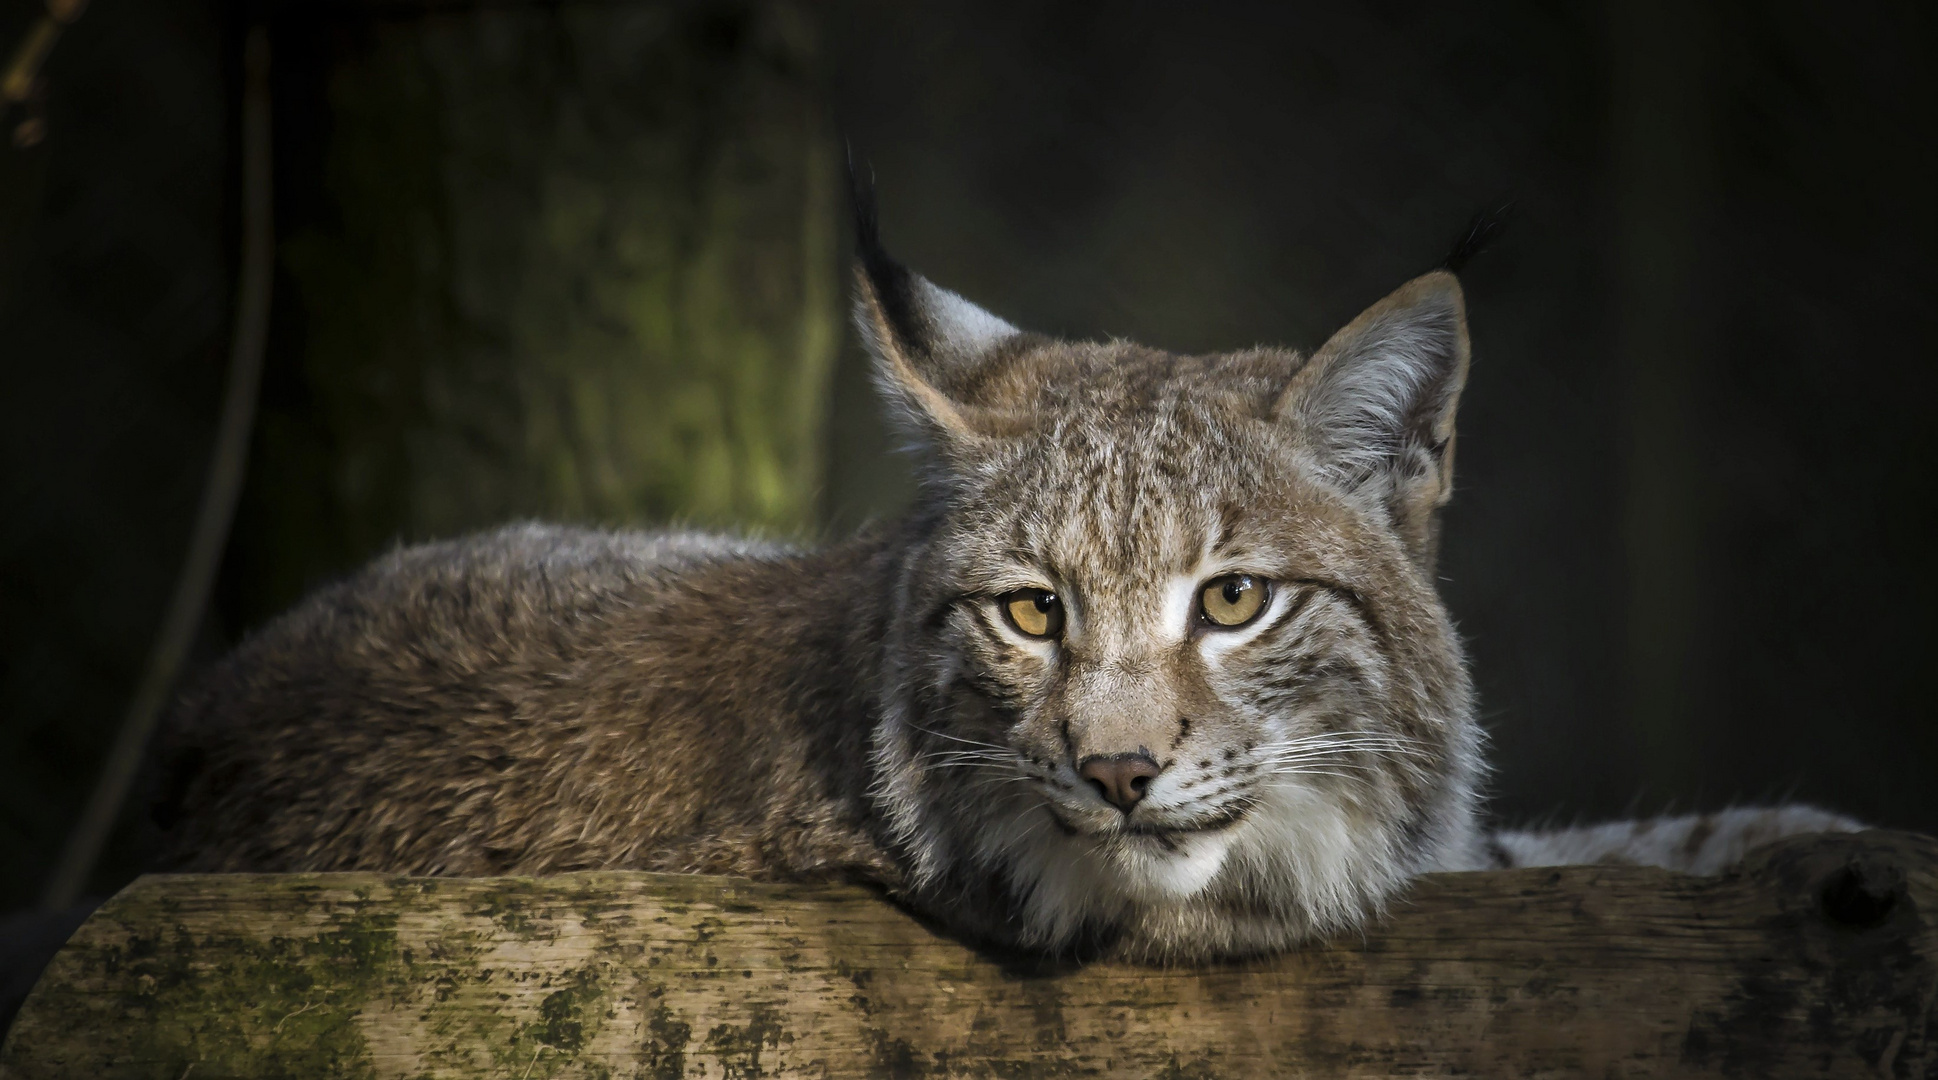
<point x="1818" y="957"/>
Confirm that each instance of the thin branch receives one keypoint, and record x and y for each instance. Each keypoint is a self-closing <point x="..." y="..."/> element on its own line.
<point x="227" y="465"/>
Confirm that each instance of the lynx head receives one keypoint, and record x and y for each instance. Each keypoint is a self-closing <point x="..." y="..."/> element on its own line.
<point x="1167" y="666"/>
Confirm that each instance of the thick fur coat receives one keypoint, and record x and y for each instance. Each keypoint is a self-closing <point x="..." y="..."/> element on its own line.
<point x="1155" y="667"/>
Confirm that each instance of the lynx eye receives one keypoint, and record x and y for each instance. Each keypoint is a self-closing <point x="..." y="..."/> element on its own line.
<point x="1035" y="612"/>
<point x="1232" y="600"/>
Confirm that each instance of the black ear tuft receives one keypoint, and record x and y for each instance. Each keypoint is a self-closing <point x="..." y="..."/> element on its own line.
<point x="861" y="198"/>
<point x="1485" y="228"/>
<point x="928" y="343"/>
<point x="893" y="284"/>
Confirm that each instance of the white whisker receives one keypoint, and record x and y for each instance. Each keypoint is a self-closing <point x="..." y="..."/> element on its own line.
<point x="967" y="757"/>
<point x="957" y="738"/>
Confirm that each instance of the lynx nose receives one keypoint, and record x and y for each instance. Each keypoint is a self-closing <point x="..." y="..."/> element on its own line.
<point x="1121" y="779"/>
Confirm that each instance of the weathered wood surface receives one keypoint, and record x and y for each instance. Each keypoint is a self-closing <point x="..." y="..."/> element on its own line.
<point x="1817" y="958"/>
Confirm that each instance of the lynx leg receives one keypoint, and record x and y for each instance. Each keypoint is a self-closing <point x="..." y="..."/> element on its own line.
<point x="1693" y="843"/>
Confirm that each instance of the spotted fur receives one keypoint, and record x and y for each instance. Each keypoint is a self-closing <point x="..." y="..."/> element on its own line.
<point x="541" y="699"/>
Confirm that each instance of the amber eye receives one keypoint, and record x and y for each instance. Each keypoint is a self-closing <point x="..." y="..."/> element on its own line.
<point x="1033" y="611"/>
<point x="1233" y="600"/>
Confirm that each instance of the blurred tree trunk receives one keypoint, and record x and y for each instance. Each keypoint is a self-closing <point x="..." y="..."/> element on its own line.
<point x="574" y="262"/>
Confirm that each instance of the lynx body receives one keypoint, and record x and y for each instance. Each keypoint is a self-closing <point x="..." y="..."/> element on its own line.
<point x="1154" y="668"/>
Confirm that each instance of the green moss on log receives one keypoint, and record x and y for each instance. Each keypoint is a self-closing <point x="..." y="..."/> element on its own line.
<point x="1817" y="959"/>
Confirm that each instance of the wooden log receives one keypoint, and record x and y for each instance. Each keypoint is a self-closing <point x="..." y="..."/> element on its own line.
<point x="1816" y="958"/>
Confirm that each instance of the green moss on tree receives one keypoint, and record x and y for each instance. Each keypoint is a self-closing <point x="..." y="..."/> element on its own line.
<point x="577" y="263"/>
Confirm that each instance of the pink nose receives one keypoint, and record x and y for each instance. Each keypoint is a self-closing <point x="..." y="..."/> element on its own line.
<point x="1122" y="779"/>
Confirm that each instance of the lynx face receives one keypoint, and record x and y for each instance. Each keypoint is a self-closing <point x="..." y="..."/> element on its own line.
<point x="1169" y="666"/>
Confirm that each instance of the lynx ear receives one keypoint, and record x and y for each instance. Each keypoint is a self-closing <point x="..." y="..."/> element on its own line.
<point x="1375" y="405"/>
<point x="931" y="347"/>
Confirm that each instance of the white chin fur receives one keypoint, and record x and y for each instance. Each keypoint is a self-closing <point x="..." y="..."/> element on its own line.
<point x="1318" y="861"/>
<point x="1149" y="873"/>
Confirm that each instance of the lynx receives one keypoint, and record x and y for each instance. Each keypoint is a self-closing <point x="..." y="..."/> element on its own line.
<point x="1155" y="668"/>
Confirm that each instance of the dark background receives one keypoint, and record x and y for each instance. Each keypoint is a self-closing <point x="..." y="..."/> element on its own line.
<point x="1692" y="548"/>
